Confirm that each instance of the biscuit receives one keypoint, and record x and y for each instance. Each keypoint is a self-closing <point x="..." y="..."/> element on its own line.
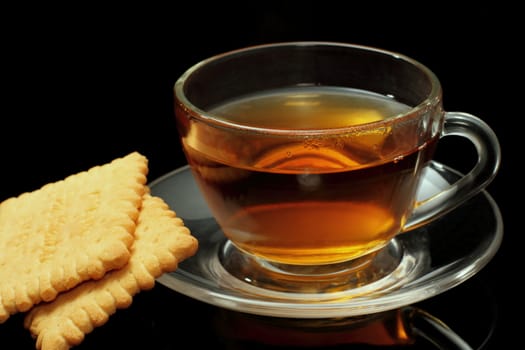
<point x="161" y="242"/>
<point x="68" y="231"/>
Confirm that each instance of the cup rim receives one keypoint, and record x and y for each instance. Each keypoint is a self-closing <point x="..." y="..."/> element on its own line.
<point x="433" y="98"/>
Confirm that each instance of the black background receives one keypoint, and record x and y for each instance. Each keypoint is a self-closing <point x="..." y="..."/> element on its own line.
<point x="82" y="86"/>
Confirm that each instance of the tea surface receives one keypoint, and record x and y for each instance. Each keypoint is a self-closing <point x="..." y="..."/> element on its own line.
<point x="309" y="108"/>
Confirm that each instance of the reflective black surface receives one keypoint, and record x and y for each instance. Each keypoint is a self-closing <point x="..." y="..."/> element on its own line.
<point x="162" y="319"/>
<point x="83" y="86"/>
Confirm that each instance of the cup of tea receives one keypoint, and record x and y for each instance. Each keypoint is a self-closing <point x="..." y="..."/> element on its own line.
<point x="310" y="154"/>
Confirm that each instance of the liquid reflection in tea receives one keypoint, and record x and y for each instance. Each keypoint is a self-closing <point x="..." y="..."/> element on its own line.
<point x="309" y="200"/>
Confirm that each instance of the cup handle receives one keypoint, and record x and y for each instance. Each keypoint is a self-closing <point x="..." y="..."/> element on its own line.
<point x="489" y="154"/>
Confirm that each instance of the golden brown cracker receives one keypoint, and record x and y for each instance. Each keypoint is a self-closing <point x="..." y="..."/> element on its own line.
<point x="161" y="242"/>
<point x="68" y="231"/>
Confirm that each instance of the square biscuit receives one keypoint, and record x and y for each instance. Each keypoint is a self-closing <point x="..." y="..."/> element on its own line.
<point x="161" y="242"/>
<point x="68" y="231"/>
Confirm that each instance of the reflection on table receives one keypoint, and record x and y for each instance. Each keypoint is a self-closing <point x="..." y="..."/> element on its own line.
<point x="164" y="319"/>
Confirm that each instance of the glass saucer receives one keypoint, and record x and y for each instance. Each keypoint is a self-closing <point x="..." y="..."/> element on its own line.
<point x="434" y="258"/>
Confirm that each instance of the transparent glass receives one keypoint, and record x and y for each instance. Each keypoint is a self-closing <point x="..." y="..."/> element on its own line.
<point x="318" y="206"/>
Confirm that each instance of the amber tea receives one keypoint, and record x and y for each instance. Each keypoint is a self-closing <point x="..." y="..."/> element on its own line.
<point x="309" y="200"/>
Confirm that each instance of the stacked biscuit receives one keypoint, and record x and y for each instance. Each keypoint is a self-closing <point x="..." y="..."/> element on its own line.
<point x="76" y="250"/>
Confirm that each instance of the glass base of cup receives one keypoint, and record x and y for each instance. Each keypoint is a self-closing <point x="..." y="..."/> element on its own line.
<point x="379" y="270"/>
